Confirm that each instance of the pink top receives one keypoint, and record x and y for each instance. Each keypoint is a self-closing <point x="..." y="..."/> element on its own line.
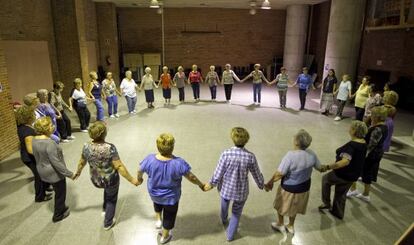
<point x="195" y="77"/>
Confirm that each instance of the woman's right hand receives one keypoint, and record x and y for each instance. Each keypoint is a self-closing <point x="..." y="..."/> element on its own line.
<point x="135" y="182"/>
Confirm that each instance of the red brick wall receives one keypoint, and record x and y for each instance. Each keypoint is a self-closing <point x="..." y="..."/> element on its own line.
<point x="395" y="48"/>
<point x="108" y="37"/>
<point x="31" y="21"/>
<point x="8" y="137"/>
<point x="244" y="39"/>
<point x="319" y="34"/>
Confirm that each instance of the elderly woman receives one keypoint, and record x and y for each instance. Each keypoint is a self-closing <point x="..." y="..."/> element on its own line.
<point x="129" y="90"/>
<point x="45" y="109"/>
<point x="78" y="101"/>
<point x="179" y="80"/>
<point x="104" y="168"/>
<point x="63" y="123"/>
<point x="111" y="92"/>
<point x="166" y="84"/>
<point x="165" y="173"/>
<point x="195" y="78"/>
<point x="282" y="84"/>
<point x="346" y="169"/>
<point x="295" y="171"/>
<point x="328" y="87"/>
<point x="25" y="117"/>
<point x="258" y="78"/>
<point x="343" y="93"/>
<point x="228" y="80"/>
<point x="148" y="84"/>
<point x="51" y="165"/>
<point x="375" y="139"/>
<point x="304" y="82"/>
<point x="361" y="97"/>
<point x="390" y="101"/>
<point x="212" y="79"/>
<point x="231" y="179"/>
<point x="94" y="91"/>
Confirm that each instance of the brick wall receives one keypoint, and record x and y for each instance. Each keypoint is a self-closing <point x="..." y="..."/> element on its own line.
<point x="31" y="21"/>
<point x="108" y="37"/>
<point x="395" y="48"/>
<point x="319" y="34"/>
<point x="244" y="39"/>
<point x="8" y="137"/>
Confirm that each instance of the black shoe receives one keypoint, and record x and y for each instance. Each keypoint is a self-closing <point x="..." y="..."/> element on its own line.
<point x="335" y="215"/>
<point x="45" y="199"/>
<point x="64" y="216"/>
<point x="324" y="206"/>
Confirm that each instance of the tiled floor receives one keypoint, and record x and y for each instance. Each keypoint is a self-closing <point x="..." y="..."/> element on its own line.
<point x="202" y="133"/>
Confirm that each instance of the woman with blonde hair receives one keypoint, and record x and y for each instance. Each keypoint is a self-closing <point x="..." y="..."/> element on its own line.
<point x="231" y="179"/>
<point x="148" y="84"/>
<point x="51" y="165"/>
<point x="227" y="79"/>
<point x="179" y="80"/>
<point x="166" y="84"/>
<point x="78" y="101"/>
<point x="111" y="92"/>
<point x="295" y="172"/>
<point x="390" y="102"/>
<point x="95" y="93"/>
<point x="25" y="117"/>
<point x="258" y="78"/>
<point x="45" y="109"/>
<point x="195" y="78"/>
<point x="212" y="79"/>
<point x="361" y="98"/>
<point x="104" y="168"/>
<point x="165" y="172"/>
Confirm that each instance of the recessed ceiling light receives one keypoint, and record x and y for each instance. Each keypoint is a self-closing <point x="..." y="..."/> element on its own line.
<point x="154" y="4"/>
<point x="266" y="5"/>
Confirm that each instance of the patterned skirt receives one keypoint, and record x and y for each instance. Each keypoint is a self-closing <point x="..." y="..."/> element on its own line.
<point x="327" y="100"/>
<point x="290" y="204"/>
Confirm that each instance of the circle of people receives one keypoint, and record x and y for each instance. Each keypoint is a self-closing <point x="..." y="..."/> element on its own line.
<point x="42" y="124"/>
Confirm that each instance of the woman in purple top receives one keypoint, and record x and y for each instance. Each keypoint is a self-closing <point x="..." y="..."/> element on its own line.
<point x="44" y="109"/>
<point x="94" y="91"/>
<point x="165" y="172"/>
<point x="304" y="81"/>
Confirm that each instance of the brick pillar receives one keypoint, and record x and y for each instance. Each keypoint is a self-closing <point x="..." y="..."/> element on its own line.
<point x="8" y="137"/>
<point x="108" y="37"/>
<point x="71" y="45"/>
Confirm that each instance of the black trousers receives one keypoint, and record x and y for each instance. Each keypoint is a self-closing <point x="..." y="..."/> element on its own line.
<point x="227" y="90"/>
<point x="64" y="126"/>
<point x="341" y="106"/>
<point x="109" y="205"/>
<point x="169" y="213"/>
<point x="341" y="188"/>
<point x="60" y="200"/>
<point x="302" y="98"/>
<point x="84" y="117"/>
<point x="359" y="113"/>
<point x="196" y="90"/>
<point x="371" y="167"/>
<point x="181" y="94"/>
<point x="39" y="185"/>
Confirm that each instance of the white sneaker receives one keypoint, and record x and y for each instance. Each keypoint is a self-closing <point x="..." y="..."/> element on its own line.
<point x="165" y="240"/>
<point x="117" y="115"/>
<point x="337" y="118"/>
<point x="112" y="116"/>
<point x="279" y="228"/>
<point x="352" y="193"/>
<point x="64" y="141"/>
<point x="158" y="224"/>
<point x="84" y="131"/>
<point x="290" y="229"/>
<point x="363" y="197"/>
<point x="71" y="137"/>
<point x="103" y="214"/>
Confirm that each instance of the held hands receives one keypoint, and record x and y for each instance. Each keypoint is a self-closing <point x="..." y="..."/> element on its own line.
<point x="324" y="168"/>
<point x="268" y="187"/>
<point x="136" y="182"/>
<point x="75" y="176"/>
<point x="206" y="187"/>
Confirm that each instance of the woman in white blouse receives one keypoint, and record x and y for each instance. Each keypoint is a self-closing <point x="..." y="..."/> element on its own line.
<point x="78" y="101"/>
<point x="228" y="81"/>
<point x="129" y="90"/>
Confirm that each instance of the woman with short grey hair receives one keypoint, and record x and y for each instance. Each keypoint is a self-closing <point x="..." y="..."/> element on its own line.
<point x="295" y="172"/>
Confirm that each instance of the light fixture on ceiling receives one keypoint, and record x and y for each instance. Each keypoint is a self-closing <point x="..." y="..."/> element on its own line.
<point x="154" y="4"/>
<point x="266" y="5"/>
<point x="160" y="10"/>
<point x="252" y="5"/>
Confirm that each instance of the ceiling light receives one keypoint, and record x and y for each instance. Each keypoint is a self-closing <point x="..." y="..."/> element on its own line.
<point x="154" y="4"/>
<point x="252" y="11"/>
<point x="252" y="4"/>
<point x="266" y="5"/>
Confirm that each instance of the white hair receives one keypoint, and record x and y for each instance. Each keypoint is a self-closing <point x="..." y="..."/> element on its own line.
<point x="147" y="70"/>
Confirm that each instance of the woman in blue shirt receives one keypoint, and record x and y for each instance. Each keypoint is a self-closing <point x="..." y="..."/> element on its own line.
<point x="165" y="172"/>
<point x="304" y="82"/>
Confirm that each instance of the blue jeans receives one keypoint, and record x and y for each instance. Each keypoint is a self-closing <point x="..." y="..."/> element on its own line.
<point x="99" y="110"/>
<point x="236" y="211"/>
<point x="213" y="90"/>
<point x="196" y="90"/>
<point x="131" y="102"/>
<point x="257" y="92"/>
<point x="112" y="104"/>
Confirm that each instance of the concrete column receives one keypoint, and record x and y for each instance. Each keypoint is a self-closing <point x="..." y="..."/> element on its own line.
<point x="344" y="36"/>
<point x="295" y="39"/>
